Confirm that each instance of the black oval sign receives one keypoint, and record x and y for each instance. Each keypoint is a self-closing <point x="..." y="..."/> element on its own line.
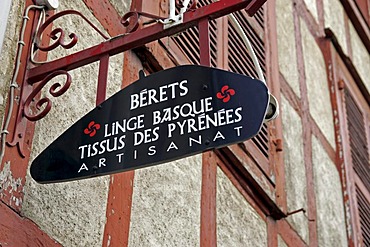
<point x="162" y="117"/>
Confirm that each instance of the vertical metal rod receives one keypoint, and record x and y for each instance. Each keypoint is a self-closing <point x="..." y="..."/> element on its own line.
<point x="185" y="6"/>
<point x="172" y="9"/>
<point x="249" y="46"/>
<point x="102" y="79"/>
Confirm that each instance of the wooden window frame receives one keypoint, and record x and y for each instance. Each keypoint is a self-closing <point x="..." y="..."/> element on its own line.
<point x="270" y="171"/>
<point x="344" y="77"/>
<point x="353" y="179"/>
<point x="259" y="179"/>
<point x="250" y="147"/>
<point x="363" y="6"/>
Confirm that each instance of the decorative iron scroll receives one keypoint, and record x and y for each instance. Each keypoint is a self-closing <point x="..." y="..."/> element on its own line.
<point x="58" y="34"/>
<point x="131" y="20"/>
<point x="55" y="90"/>
<point x="40" y="74"/>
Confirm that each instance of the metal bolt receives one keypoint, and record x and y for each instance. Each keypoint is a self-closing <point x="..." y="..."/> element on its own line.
<point x="341" y="85"/>
<point x="296" y="211"/>
<point x="205" y="87"/>
<point x="279" y="145"/>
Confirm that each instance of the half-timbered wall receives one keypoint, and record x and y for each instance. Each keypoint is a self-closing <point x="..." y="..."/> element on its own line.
<point x="302" y="181"/>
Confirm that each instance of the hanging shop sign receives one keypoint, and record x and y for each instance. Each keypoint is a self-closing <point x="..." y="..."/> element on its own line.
<point x="162" y="117"/>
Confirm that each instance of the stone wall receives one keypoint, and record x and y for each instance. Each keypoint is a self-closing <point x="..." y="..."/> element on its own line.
<point x="166" y="202"/>
<point x="238" y="224"/>
<point x="295" y="170"/>
<point x="4" y="12"/>
<point x="304" y="71"/>
<point x="331" y="225"/>
<point x="361" y="58"/>
<point x="287" y="44"/>
<point x="9" y="51"/>
<point x="74" y="212"/>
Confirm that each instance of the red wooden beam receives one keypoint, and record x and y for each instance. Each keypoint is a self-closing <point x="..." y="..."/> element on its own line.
<point x="18" y="158"/>
<point x="141" y="37"/>
<point x="254" y="6"/>
<point x="208" y="217"/>
<point x="18" y="231"/>
<point x="208" y="207"/>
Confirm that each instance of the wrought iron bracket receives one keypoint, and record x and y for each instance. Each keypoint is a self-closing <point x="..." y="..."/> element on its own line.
<point x="177" y="19"/>
<point x="31" y="106"/>
<point x="131" y="19"/>
<point x="28" y="103"/>
<point x="39" y="75"/>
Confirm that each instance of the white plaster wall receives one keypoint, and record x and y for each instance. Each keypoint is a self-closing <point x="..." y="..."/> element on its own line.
<point x="8" y="52"/>
<point x="122" y="6"/>
<point x="10" y="183"/>
<point x="11" y="26"/>
<point x="238" y="224"/>
<point x="361" y="57"/>
<point x="287" y="54"/>
<point x="334" y="19"/>
<point x="312" y="7"/>
<point x="295" y="171"/>
<point x="281" y="242"/>
<point x="317" y="85"/>
<point x="331" y="226"/>
<point x="4" y="12"/>
<point x="166" y="204"/>
<point x="73" y="213"/>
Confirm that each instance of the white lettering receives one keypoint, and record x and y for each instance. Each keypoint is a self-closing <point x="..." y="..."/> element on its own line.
<point x="143" y="99"/>
<point x="118" y="127"/>
<point x="121" y="142"/>
<point x="184" y="89"/>
<point x="172" y="146"/>
<point x="106" y="134"/>
<point x="237" y="113"/>
<point x="82" y="150"/>
<point x="173" y="89"/>
<point x="120" y="157"/>
<point x="191" y="140"/>
<point x="156" y="117"/>
<point x="171" y="128"/>
<point x="95" y="150"/>
<point x="114" y="146"/>
<point x="218" y="135"/>
<point x="134" y="101"/>
<point x="102" y="162"/>
<point x="147" y="97"/>
<point x="162" y="93"/>
<point x="138" y="138"/>
<point x="238" y="130"/>
<point x="147" y="136"/>
<point x="83" y="167"/>
<point x="152" y="99"/>
<point x="152" y="151"/>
